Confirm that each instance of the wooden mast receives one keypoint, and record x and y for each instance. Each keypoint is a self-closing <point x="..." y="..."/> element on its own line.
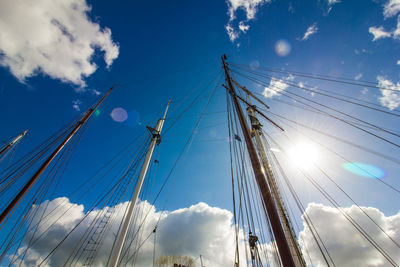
<point x="43" y="167"/>
<point x="290" y="236"/>
<point x="279" y="234"/>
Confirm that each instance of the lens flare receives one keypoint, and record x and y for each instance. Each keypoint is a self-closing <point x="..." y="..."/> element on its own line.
<point x="97" y="112"/>
<point x="357" y="239"/>
<point x="119" y="114"/>
<point x="254" y="64"/>
<point x="364" y="170"/>
<point x="282" y="48"/>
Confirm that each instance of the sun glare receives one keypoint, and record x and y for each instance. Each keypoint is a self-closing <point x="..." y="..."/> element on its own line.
<point x="304" y="155"/>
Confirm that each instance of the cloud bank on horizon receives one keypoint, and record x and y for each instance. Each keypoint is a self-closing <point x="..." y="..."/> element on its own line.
<point x="205" y="230"/>
<point x="33" y="45"/>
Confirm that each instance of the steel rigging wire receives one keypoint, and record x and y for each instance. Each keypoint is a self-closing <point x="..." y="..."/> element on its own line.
<point x="358" y="227"/>
<point x="325" y="78"/>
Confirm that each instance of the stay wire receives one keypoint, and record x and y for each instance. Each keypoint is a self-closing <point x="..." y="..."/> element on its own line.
<point x="344" y="121"/>
<point x="317" y="238"/>
<point x="330" y="95"/>
<point x="371" y="151"/>
<point x="328" y="78"/>
<point x="185" y="147"/>
<point x="193" y="102"/>
<point x="285" y="196"/>
<point x="228" y="107"/>
<point x="85" y="216"/>
<point x="285" y="93"/>
<point x="344" y="213"/>
<point x="341" y="156"/>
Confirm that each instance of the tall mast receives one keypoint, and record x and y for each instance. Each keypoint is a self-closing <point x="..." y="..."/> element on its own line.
<point x="15" y="140"/>
<point x="43" y="167"/>
<point x="127" y="220"/>
<point x="289" y="234"/>
<point x="279" y="234"/>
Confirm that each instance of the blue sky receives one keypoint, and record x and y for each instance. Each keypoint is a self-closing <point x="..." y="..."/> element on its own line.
<point x="163" y="49"/>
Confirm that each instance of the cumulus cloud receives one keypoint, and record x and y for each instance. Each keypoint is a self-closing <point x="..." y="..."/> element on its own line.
<point x="330" y="3"/>
<point x="345" y="245"/>
<point x="55" y="38"/>
<point x="198" y="229"/>
<point x="205" y="230"/>
<point x="389" y="98"/>
<point x="232" y="33"/>
<point x="276" y="86"/>
<point x="243" y="27"/>
<point x="76" y="104"/>
<point x="379" y="33"/>
<point x="250" y="9"/>
<point x="313" y="29"/>
<point x="249" y="6"/>
<point x="391" y="8"/>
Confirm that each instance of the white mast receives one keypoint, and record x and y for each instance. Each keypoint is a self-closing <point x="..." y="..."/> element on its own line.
<point x="115" y="257"/>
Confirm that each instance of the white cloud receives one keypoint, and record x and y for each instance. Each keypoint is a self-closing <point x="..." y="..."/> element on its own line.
<point x="398" y="62"/>
<point x="76" y="105"/>
<point x="249" y="6"/>
<point x="345" y="245"/>
<point x="330" y="3"/>
<point x="232" y="33"/>
<point x="96" y="92"/>
<point x="55" y="38"/>
<point x="205" y="230"/>
<point x="391" y="8"/>
<point x="379" y="32"/>
<point x="250" y="9"/>
<point x="389" y="98"/>
<point x="199" y="229"/>
<point x="276" y="86"/>
<point x="358" y="76"/>
<point x="243" y="27"/>
<point x="361" y="51"/>
<point x="313" y="29"/>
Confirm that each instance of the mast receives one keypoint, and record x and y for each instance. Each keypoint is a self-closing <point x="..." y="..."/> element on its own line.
<point x="43" y="167"/>
<point x="278" y="231"/>
<point x="289" y="234"/>
<point x="15" y="140"/>
<point x="127" y="220"/>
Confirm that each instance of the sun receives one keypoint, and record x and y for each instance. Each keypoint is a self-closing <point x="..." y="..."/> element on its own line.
<point x="304" y="155"/>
